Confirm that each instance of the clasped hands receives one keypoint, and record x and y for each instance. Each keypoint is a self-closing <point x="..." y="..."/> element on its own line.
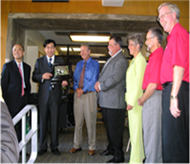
<point x="79" y="92"/>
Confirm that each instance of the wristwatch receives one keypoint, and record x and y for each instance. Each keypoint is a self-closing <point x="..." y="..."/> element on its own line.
<point x="173" y="97"/>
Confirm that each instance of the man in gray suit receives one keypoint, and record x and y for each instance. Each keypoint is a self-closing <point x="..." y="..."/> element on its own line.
<point x="111" y="96"/>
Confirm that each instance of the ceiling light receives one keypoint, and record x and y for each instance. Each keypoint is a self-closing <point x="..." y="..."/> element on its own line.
<point x="101" y="61"/>
<point x="97" y="55"/>
<point x="65" y="49"/>
<point x="113" y="3"/>
<point x="76" y="49"/>
<point x="90" y="37"/>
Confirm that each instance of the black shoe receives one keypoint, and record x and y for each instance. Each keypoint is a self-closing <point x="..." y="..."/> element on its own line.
<point x="56" y="152"/>
<point x="41" y="152"/>
<point x="115" y="160"/>
<point x="106" y="152"/>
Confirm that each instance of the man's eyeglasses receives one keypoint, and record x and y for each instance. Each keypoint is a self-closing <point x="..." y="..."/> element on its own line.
<point x="150" y="38"/>
<point x="163" y="15"/>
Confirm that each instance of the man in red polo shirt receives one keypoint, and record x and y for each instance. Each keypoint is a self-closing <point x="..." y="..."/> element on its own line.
<point x="151" y="99"/>
<point x="175" y="81"/>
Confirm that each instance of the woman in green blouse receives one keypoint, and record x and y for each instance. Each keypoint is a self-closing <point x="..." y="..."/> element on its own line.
<point x="134" y="79"/>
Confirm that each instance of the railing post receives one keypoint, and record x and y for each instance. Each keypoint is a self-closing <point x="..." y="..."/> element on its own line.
<point x="24" y="138"/>
<point x="32" y="134"/>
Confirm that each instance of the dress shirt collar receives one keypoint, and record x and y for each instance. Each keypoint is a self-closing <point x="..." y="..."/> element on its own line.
<point x="116" y="54"/>
<point x="53" y="58"/>
<point x="87" y="60"/>
<point x="21" y="64"/>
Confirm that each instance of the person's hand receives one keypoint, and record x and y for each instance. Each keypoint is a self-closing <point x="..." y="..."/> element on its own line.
<point x="140" y="101"/>
<point x="47" y="76"/>
<point x="64" y="83"/>
<point x="79" y="92"/>
<point x="129" y="107"/>
<point x="97" y="86"/>
<point x="174" y="108"/>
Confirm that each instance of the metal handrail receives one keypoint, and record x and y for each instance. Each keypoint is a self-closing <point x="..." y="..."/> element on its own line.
<point x="32" y="134"/>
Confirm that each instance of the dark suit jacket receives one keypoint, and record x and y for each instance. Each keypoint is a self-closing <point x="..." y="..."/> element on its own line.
<point x="11" y="83"/>
<point x="112" y="82"/>
<point x="42" y="67"/>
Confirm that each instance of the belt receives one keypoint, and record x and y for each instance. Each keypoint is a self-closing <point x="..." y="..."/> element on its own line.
<point x="156" y="90"/>
<point x="87" y="92"/>
<point x="166" y="84"/>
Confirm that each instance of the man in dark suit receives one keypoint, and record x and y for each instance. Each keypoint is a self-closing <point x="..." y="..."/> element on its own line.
<point x="15" y="84"/>
<point x="111" y="96"/>
<point x="49" y="97"/>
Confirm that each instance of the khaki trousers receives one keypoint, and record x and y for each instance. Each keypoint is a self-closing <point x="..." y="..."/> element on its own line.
<point x="85" y="107"/>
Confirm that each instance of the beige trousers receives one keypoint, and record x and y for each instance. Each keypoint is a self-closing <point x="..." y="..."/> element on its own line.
<point x="85" y="107"/>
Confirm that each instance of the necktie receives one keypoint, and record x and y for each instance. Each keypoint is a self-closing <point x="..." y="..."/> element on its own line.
<point x="22" y="80"/>
<point x="50" y="69"/>
<point x="50" y="59"/>
<point x="80" y="85"/>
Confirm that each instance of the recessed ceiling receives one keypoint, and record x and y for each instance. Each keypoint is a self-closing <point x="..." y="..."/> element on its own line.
<point x="59" y="26"/>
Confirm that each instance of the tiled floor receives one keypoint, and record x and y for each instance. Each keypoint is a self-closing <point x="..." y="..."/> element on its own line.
<point x="66" y="143"/>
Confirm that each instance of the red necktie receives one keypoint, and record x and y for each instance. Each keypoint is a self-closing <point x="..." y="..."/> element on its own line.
<point x="22" y="80"/>
<point x="80" y="85"/>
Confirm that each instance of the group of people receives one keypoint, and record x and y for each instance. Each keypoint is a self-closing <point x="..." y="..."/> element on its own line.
<point x="156" y="95"/>
<point x="15" y="84"/>
<point x="109" y="85"/>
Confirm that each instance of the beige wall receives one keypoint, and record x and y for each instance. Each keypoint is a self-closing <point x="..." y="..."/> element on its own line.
<point x="33" y="45"/>
<point x="36" y="38"/>
<point x="86" y="6"/>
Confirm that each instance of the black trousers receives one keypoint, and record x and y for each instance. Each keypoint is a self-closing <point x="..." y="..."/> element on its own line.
<point x="175" y="131"/>
<point x="14" y="109"/>
<point x="49" y="112"/>
<point x="114" y="122"/>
